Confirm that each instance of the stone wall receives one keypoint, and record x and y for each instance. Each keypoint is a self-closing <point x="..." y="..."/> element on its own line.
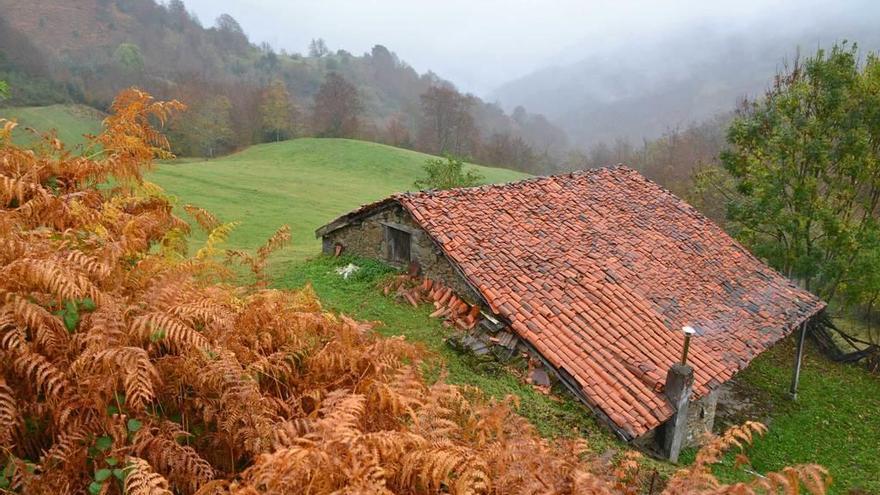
<point x="701" y="418"/>
<point x="366" y="238"/>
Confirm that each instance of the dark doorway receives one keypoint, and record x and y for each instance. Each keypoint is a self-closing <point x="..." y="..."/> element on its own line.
<point x="398" y="245"/>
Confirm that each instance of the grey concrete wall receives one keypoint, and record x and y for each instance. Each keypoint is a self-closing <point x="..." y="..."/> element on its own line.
<point x="366" y="238"/>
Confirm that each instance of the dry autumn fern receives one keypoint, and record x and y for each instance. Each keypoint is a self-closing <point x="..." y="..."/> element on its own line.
<point x="127" y="366"/>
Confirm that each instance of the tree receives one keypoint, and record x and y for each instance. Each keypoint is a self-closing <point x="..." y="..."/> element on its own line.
<point x="4" y="90"/>
<point x="447" y="125"/>
<point x="276" y="111"/>
<point x="227" y="23"/>
<point x="213" y="125"/>
<point x="206" y="129"/>
<point x="129" y="58"/>
<point x="231" y="35"/>
<point x="397" y="132"/>
<point x="178" y="15"/>
<point x="447" y="173"/>
<point x="805" y="161"/>
<point x="318" y="48"/>
<point x="337" y="108"/>
<point x="508" y="151"/>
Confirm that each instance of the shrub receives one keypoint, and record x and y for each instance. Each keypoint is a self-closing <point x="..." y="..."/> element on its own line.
<point x="447" y="173"/>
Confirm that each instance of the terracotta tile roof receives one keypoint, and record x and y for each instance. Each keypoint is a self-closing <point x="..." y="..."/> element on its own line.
<point x="599" y="270"/>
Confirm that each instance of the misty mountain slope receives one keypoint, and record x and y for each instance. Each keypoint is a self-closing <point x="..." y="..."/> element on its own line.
<point x="641" y="87"/>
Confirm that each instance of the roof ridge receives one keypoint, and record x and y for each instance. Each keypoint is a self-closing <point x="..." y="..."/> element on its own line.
<point x="522" y="182"/>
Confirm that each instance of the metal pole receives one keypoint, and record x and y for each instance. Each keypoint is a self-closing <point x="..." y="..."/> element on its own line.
<point x="799" y="356"/>
<point x="688" y="333"/>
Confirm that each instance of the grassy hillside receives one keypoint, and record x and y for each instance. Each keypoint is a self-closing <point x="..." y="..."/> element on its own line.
<point x="304" y="183"/>
<point x="71" y="122"/>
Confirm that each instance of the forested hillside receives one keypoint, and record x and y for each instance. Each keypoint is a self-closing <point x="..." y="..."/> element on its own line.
<point x="238" y="93"/>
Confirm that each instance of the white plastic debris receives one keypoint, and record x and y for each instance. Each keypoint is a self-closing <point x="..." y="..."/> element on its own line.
<point x="347" y="270"/>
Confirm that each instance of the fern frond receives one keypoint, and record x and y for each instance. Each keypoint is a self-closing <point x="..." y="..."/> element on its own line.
<point x="43" y="276"/>
<point x="167" y="330"/>
<point x="455" y="467"/>
<point x="68" y="448"/>
<point x="342" y="413"/>
<point x="277" y="241"/>
<point x="104" y="328"/>
<point x="186" y="470"/>
<point x="88" y="264"/>
<point x="17" y="190"/>
<point x="19" y="314"/>
<point x="140" y="479"/>
<point x="206" y="220"/>
<point x="10" y="416"/>
<point x="132" y="364"/>
<point x="288" y="470"/>
<point x="40" y="372"/>
<point x="218" y="236"/>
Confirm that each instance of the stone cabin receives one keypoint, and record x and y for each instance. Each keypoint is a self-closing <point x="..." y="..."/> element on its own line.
<point x="596" y="273"/>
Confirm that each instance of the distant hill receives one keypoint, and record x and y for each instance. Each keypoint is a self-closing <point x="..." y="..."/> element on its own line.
<point x="70" y="122"/>
<point x="638" y="88"/>
<point x="86" y="51"/>
<point x="304" y="183"/>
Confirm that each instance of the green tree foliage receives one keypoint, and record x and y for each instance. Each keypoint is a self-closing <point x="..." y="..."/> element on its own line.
<point x="277" y="111"/>
<point x="206" y="129"/>
<point x="4" y="90"/>
<point x="805" y="161"/>
<point x="129" y="58"/>
<point x="447" y="173"/>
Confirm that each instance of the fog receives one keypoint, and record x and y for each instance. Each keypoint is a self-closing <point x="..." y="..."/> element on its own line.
<point x="483" y="44"/>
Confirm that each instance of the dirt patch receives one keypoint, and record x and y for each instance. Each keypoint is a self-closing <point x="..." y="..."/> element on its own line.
<point x="739" y="402"/>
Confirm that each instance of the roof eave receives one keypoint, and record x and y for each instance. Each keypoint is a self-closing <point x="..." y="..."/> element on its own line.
<point x="354" y="215"/>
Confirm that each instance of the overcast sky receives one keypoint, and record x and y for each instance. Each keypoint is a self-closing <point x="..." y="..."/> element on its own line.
<point x="480" y="44"/>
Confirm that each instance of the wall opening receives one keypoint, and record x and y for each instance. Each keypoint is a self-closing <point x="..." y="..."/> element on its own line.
<point x="398" y="242"/>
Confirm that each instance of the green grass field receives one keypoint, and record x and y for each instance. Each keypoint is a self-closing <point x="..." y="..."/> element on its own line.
<point x="304" y="183"/>
<point x="834" y="422"/>
<point x="71" y="122"/>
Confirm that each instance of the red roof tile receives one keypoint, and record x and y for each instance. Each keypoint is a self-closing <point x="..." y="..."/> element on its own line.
<point x="633" y="264"/>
